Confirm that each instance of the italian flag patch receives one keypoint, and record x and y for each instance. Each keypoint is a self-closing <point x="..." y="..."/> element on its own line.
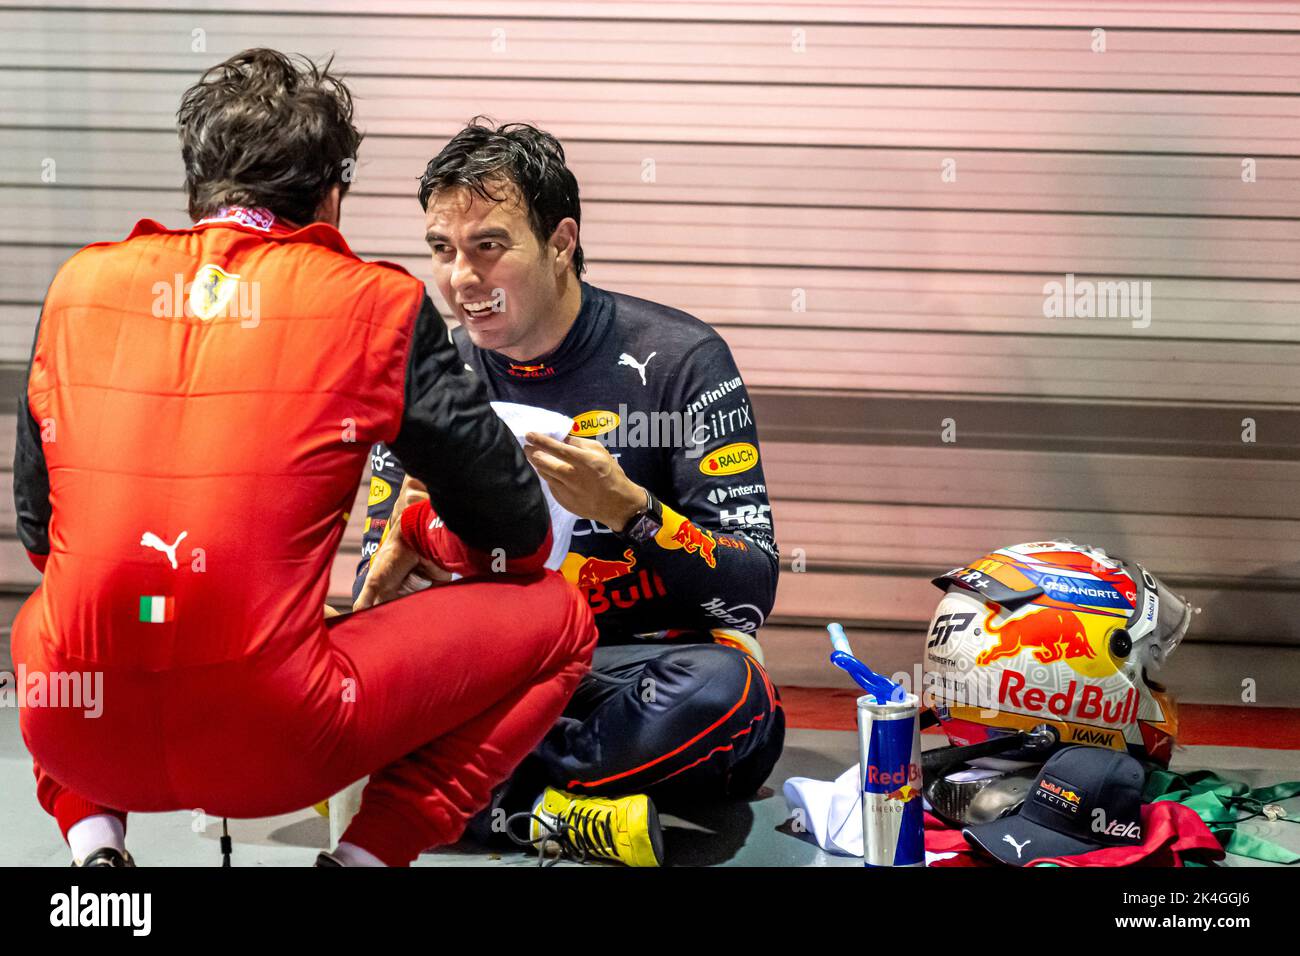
<point x="156" y="609"/>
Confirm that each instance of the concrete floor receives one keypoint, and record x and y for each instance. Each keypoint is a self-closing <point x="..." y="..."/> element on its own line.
<point x="737" y="834"/>
<point x="749" y="833"/>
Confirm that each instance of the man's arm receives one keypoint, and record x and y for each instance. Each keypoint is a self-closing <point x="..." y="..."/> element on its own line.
<point x="423" y="529"/>
<point x="458" y="460"/>
<point x="31" y="480"/>
<point x="716" y="551"/>
<point x="454" y="444"/>
<point x="388" y="487"/>
<point x="728" y="578"/>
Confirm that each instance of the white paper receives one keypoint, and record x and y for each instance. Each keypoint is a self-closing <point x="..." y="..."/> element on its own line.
<point x="523" y="419"/>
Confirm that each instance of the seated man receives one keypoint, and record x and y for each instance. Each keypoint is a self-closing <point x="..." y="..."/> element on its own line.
<point x="152" y="422"/>
<point x="674" y="545"/>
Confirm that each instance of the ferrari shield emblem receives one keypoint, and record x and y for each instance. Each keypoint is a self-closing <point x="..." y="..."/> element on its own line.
<point x="212" y="291"/>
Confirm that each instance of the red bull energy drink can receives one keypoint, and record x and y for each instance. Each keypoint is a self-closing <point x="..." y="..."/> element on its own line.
<point x="889" y="742"/>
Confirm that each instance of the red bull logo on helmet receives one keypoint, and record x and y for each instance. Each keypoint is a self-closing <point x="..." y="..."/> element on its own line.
<point x="1051" y="635"/>
<point x="1089" y="705"/>
<point x="1048" y="635"/>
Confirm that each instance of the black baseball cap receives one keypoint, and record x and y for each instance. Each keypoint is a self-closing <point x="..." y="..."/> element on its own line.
<point x="1083" y="799"/>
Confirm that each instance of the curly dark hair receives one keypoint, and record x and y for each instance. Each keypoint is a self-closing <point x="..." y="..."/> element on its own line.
<point x="484" y="155"/>
<point x="264" y="129"/>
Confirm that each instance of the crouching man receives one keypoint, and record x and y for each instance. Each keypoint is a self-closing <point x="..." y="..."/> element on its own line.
<point x="148" y="437"/>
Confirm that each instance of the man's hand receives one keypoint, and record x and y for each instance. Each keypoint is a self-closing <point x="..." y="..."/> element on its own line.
<point x="585" y="479"/>
<point x="393" y="564"/>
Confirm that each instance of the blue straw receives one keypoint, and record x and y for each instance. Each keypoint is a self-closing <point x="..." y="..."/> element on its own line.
<point x="878" y="686"/>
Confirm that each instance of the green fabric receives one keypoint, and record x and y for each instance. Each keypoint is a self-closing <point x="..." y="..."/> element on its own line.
<point x="1222" y="804"/>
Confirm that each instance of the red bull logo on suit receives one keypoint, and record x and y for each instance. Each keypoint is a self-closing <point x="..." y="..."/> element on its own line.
<point x="595" y="578"/>
<point x="598" y="570"/>
<point x="678" y="532"/>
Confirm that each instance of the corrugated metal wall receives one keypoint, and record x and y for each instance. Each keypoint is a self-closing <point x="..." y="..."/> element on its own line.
<point x="867" y="201"/>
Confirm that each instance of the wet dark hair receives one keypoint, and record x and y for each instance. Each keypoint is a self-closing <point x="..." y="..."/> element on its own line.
<point x="483" y="155"/>
<point x="264" y="129"/>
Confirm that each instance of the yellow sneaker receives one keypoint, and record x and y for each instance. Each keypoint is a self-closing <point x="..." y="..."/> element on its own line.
<point x="621" y="829"/>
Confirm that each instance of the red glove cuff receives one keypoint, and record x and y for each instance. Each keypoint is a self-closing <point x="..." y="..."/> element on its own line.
<point x="423" y="530"/>
<point x="414" y="522"/>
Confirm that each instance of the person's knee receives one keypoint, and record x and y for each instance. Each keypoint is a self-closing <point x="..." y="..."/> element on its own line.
<point x="725" y="691"/>
<point x="713" y="681"/>
<point x="578" y="634"/>
<point x="741" y="686"/>
<point x="751" y="772"/>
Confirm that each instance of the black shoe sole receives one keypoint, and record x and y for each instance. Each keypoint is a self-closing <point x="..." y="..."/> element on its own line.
<point x="656" y="831"/>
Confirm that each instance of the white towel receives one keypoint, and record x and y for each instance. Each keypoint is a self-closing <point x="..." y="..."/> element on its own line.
<point x="831" y="810"/>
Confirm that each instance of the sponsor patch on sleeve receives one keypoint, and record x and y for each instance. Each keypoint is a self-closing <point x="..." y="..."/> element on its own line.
<point x="729" y="459"/>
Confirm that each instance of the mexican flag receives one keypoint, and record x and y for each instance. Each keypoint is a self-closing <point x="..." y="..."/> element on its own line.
<point x="156" y="609"/>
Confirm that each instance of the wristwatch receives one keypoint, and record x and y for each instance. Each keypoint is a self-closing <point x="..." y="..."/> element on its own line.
<point x="645" y="524"/>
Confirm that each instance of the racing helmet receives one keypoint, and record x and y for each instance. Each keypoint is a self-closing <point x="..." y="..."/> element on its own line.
<point x="1058" y="640"/>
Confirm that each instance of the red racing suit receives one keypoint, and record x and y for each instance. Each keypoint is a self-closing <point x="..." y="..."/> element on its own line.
<point x="175" y="376"/>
